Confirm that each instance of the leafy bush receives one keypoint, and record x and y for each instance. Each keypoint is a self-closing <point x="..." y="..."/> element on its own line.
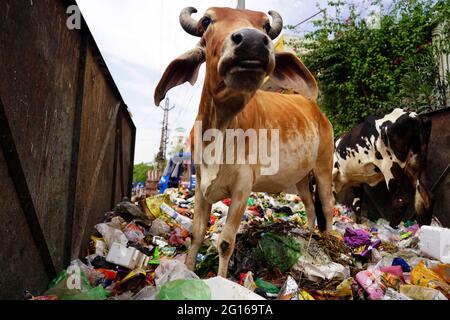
<point x="364" y="70"/>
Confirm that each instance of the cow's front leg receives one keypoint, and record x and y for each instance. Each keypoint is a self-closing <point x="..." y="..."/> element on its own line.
<point x="357" y="202"/>
<point x="227" y="238"/>
<point x="202" y="210"/>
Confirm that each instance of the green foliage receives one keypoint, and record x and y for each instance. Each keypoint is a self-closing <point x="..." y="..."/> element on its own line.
<point x="140" y="172"/>
<point x="363" y="69"/>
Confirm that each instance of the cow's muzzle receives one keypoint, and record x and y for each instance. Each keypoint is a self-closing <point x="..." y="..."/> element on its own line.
<point x="399" y="208"/>
<point x="247" y="57"/>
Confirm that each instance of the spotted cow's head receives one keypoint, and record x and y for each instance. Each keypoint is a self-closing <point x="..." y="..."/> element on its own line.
<point x="408" y="138"/>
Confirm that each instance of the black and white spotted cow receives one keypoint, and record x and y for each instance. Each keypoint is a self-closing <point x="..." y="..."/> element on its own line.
<point x="390" y="148"/>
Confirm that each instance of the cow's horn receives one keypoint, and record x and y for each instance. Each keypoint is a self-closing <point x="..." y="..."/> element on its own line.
<point x="188" y="23"/>
<point x="277" y="24"/>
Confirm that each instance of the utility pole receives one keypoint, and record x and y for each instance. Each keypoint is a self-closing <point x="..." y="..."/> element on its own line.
<point x="161" y="157"/>
<point x="241" y="4"/>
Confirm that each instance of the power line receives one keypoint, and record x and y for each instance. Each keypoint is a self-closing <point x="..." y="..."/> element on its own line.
<point x="309" y="18"/>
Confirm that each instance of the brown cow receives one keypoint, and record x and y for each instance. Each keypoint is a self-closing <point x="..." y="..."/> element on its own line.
<point x="239" y="54"/>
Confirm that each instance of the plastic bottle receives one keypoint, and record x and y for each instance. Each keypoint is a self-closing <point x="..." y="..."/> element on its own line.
<point x="185" y="222"/>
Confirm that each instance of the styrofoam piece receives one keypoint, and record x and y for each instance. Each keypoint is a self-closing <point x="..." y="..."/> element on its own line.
<point x="224" y="289"/>
<point x="435" y="242"/>
<point x="221" y="207"/>
<point x="130" y="257"/>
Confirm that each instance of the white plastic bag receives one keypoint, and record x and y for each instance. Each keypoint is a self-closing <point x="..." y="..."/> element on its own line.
<point x="170" y="270"/>
<point x="111" y="235"/>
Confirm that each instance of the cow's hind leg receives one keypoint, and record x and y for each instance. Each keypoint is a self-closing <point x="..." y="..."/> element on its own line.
<point x="323" y="174"/>
<point x="306" y="196"/>
<point x="202" y="211"/>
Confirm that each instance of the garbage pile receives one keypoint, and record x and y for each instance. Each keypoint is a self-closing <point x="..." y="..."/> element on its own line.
<point x="139" y="250"/>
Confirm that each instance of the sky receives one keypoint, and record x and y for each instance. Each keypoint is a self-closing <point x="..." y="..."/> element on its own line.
<point x="139" y="38"/>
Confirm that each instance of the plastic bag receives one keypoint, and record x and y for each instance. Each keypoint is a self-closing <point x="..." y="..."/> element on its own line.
<point x="391" y="294"/>
<point x="94" y="276"/>
<point x="356" y="238"/>
<point x="387" y="233"/>
<point x="153" y="205"/>
<point x="171" y="270"/>
<point x="443" y="270"/>
<point x="159" y="228"/>
<point x="220" y="207"/>
<point x="421" y="293"/>
<point x="279" y="251"/>
<point x="267" y="286"/>
<point x="370" y="281"/>
<point x="345" y="288"/>
<point x="111" y="234"/>
<point x="133" y="232"/>
<point x="289" y="291"/>
<point x="72" y="284"/>
<point x="185" y="289"/>
<point x="401" y="262"/>
<point x="314" y="271"/>
<point x="423" y="276"/>
<point x="97" y="293"/>
<point x="148" y="293"/>
<point x="247" y="281"/>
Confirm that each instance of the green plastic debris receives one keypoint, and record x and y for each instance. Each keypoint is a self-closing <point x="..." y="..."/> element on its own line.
<point x="72" y="284"/>
<point x="406" y="235"/>
<point x="210" y="263"/>
<point x="168" y="251"/>
<point x="185" y="289"/>
<point x="250" y="202"/>
<point x="267" y="286"/>
<point x="155" y="259"/>
<point x="409" y="223"/>
<point x="97" y="293"/>
<point x="279" y="251"/>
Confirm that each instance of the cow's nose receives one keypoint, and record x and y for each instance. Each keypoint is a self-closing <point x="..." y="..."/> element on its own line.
<point x="249" y="37"/>
<point x="237" y="37"/>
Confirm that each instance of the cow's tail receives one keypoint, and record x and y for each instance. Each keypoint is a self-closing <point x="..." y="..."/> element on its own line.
<point x="321" y="221"/>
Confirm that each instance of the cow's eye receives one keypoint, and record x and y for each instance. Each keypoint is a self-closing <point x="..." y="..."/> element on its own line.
<point x="267" y="27"/>
<point x="206" y="22"/>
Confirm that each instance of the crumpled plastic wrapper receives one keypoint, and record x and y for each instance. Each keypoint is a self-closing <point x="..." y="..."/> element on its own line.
<point x="315" y="272"/>
<point x="111" y="234"/>
<point x="289" y="291"/>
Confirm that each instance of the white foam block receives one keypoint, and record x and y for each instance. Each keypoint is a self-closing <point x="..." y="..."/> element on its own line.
<point x="435" y="242"/>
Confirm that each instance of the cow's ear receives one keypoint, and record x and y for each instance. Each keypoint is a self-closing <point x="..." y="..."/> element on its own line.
<point x="401" y="135"/>
<point x="182" y="69"/>
<point x="291" y="74"/>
